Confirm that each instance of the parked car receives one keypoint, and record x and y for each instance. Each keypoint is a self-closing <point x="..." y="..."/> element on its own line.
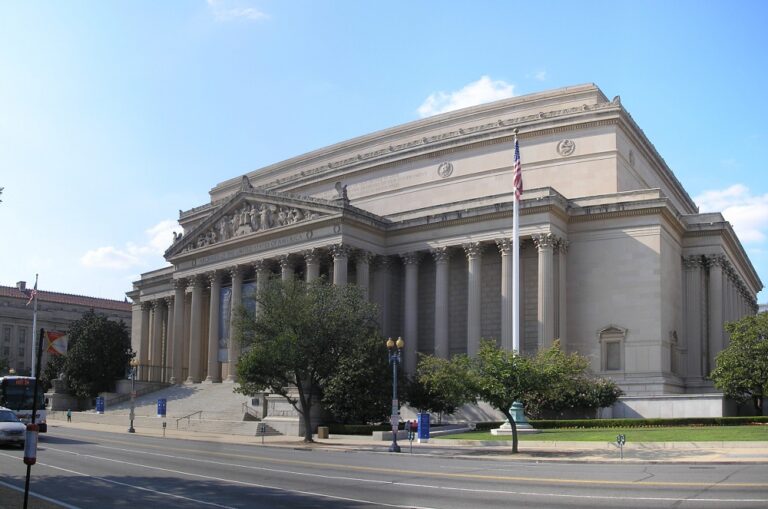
<point x="12" y="430"/>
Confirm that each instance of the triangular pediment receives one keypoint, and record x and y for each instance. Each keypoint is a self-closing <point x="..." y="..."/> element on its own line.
<point x="252" y="212"/>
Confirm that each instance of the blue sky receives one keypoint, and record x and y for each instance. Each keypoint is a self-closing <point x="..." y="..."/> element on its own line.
<point x="115" y="115"/>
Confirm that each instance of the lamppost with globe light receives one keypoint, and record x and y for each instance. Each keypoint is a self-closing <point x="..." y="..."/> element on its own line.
<point x="134" y="365"/>
<point x="395" y="349"/>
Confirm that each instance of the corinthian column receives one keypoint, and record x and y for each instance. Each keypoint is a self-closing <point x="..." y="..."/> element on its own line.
<point x="233" y="348"/>
<point x="546" y="308"/>
<point x="694" y="340"/>
<point x="195" y="329"/>
<point x="363" y="267"/>
<point x="286" y="267"/>
<point x="441" y="257"/>
<point x="474" y="253"/>
<point x="411" y="261"/>
<point x="214" y="375"/>
<point x="507" y="303"/>
<point x="383" y="288"/>
<point x="340" y="254"/>
<point x="312" y="259"/>
<point x="143" y="373"/>
<point x="156" y="351"/>
<point x="177" y="357"/>
<point x="562" y="322"/>
<point x="168" y="343"/>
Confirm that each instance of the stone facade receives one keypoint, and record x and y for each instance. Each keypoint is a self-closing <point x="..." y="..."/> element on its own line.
<point x="616" y="261"/>
<point x="55" y="311"/>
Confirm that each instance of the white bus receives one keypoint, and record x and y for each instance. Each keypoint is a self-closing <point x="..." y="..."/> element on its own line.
<point x="16" y="393"/>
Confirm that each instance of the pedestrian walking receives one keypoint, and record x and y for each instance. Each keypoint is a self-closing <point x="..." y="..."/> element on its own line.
<point x="69" y="415"/>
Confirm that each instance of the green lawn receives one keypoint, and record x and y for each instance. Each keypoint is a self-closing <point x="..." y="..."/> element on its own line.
<point x="758" y="433"/>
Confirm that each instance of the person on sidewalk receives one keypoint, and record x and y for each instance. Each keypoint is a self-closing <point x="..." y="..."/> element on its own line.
<point x="69" y="415"/>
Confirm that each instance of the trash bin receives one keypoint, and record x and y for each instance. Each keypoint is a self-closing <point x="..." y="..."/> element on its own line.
<point x="322" y="432"/>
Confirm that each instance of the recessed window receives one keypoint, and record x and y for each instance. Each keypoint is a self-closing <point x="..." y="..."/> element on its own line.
<point x="612" y="355"/>
<point x="612" y="348"/>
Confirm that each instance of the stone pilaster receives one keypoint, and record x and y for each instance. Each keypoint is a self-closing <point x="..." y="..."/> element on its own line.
<point x="340" y="254"/>
<point x="411" y="326"/>
<point x="474" y="254"/>
<point x="177" y="357"/>
<point x="715" y="304"/>
<point x="546" y="307"/>
<point x="312" y="260"/>
<point x="561" y="247"/>
<point x="694" y="340"/>
<point x="442" y="258"/>
<point x="195" y="329"/>
<point x="213" y="374"/>
<point x="233" y="346"/>
<point x="507" y="291"/>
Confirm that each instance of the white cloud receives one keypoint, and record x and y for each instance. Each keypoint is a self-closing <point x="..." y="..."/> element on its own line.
<point x="159" y="237"/>
<point x="478" y="92"/>
<point x="747" y="213"/>
<point x="222" y="13"/>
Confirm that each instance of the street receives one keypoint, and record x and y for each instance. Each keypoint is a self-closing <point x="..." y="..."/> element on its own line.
<point x="87" y="469"/>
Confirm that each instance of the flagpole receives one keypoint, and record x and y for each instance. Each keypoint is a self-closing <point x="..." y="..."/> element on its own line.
<point x="34" y="327"/>
<point x="516" y="268"/>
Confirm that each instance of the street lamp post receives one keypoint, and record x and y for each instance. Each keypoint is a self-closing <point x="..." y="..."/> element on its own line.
<point x="134" y="365"/>
<point x="395" y="357"/>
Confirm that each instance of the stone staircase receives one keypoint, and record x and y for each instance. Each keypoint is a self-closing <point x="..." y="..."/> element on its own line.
<point x="204" y="408"/>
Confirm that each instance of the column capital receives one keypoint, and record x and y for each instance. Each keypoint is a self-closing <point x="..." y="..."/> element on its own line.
<point x="312" y="255"/>
<point x="340" y="251"/>
<point x="260" y="266"/>
<point x="169" y="301"/>
<point x="472" y="249"/>
<point x="383" y="262"/>
<point x="441" y="254"/>
<point x="412" y="258"/>
<point x="195" y="280"/>
<point x="363" y="256"/>
<point x="285" y="262"/>
<point x="544" y="241"/>
<point x="717" y="260"/>
<point x="179" y="283"/>
<point x="146" y="305"/>
<point x="213" y="277"/>
<point x="561" y="245"/>
<point x="505" y="245"/>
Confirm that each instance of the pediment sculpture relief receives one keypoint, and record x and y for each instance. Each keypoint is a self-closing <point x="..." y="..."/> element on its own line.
<point x="250" y="218"/>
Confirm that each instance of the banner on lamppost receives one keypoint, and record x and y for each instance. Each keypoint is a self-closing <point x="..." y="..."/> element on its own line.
<point x="161" y="404"/>
<point x="99" y="404"/>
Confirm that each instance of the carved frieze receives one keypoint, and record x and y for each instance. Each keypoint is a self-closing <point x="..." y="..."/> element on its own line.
<point x="250" y="217"/>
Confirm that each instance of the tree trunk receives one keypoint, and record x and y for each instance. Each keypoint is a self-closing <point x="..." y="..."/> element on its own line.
<point x="306" y="407"/>
<point x="513" y="425"/>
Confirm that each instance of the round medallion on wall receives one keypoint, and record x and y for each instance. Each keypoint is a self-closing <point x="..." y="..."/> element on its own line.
<point x="566" y="147"/>
<point x="445" y="169"/>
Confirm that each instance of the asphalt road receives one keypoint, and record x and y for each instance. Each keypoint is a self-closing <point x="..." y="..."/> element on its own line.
<point x="87" y="469"/>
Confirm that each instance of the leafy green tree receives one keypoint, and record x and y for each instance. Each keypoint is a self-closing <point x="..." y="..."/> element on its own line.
<point x="440" y="385"/>
<point x="741" y="370"/>
<point x="301" y="335"/>
<point x="360" y="391"/>
<point x="98" y="354"/>
<point x="51" y="371"/>
<point x="3" y="365"/>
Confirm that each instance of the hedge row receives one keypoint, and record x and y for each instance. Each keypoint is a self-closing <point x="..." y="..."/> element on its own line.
<point x="367" y="429"/>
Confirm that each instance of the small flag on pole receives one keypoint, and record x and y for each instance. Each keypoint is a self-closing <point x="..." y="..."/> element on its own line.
<point x="57" y="342"/>
<point x="32" y="294"/>
<point x="518" y="180"/>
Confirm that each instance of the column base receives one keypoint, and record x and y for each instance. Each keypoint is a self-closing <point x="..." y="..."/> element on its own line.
<point x="190" y="381"/>
<point x="230" y="379"/>
<point x="209" y="380"/>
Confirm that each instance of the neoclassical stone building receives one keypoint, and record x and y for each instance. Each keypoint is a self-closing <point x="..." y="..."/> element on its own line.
<point x="616" y="260"/>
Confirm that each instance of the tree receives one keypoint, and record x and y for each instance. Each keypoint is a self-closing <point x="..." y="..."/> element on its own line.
<point x="359" y="391"/>
<point x="301" y="335"/>
<point x="3" y="365"/>
<point x="440" y="385"/>
<point x="51" y="371"/>
<point x="741" y="370"/>
<point x="99" y="352"/>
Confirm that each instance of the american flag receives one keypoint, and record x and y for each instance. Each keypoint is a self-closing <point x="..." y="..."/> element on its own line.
<point x="518" y="181"/>
<point x="32" y="294"/>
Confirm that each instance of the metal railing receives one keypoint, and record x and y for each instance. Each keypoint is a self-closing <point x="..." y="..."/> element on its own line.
<point x="253" y="412"/>
<point x="199" y="413"/>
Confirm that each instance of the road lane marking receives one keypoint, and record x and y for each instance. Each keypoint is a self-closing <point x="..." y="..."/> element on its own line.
<point x="449" y="475"/>
<point x="409" y="485"/>
<point x="38" y="495"/>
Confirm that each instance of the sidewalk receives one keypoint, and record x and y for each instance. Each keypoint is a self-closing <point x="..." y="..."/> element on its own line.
<point x="597" y="452"/>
